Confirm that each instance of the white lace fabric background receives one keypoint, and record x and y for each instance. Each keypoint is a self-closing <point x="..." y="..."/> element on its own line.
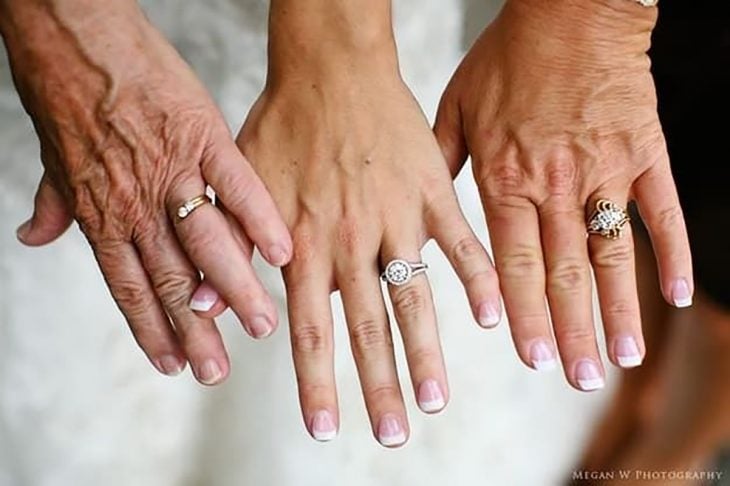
<point x="80" y="405"/>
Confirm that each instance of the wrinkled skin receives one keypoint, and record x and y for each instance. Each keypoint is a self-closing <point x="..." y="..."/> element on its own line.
<point x="557" y="108"/>
<point x="127" y="134"/>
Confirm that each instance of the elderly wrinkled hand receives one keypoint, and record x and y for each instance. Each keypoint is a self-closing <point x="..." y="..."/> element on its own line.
<point x="128" y="135"/>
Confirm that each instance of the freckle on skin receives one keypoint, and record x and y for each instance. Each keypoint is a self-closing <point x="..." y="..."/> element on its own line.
<point x="368" y="161"/>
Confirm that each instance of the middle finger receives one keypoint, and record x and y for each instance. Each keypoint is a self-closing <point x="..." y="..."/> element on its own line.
<point x="372" y="348"/>
<point x="569" y="290"/>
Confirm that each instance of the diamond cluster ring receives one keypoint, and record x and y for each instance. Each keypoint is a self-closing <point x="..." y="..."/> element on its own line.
<point x="400" y="272"/>
<point x="608" y="220"/>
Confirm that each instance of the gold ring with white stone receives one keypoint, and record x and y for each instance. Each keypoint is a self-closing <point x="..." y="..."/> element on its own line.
<point x="189" y="206"/>
<point x="608" y="220"/>
<point x="400" y="272"/>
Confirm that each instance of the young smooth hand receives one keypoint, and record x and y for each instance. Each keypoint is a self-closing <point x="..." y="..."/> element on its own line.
<point x="352" y="163"/>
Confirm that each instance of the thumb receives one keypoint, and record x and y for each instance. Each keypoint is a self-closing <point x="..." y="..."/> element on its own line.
<point x="450" y="135"/>
<point x="51" y="217"/>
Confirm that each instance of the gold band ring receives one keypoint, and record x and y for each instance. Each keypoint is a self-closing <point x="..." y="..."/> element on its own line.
<point x="189" y="206"/>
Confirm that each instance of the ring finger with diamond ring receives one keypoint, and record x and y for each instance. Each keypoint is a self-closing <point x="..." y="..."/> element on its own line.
<point x="611" y="248"/>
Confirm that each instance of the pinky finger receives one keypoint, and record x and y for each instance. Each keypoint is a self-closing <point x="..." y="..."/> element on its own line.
<point x="469" y="259"/>
<point x="132" y="290"/>
<point x="660" y="209"/>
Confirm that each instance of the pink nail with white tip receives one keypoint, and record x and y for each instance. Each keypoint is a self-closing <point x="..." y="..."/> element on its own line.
<point x="589" y="376"/>
<point x="390" y="431"/>
<point x="204" y="298"/>
<point x="430" y="397"/>
<point x="681" y="294"/>
<point x="323" y="426"/>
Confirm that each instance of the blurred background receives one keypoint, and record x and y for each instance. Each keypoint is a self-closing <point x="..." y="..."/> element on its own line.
<point x="80" y="405"/>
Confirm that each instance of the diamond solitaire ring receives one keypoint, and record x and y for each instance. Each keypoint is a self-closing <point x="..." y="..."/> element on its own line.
<point x="191" y="205"/>
<point x="400" y="272"/>
<point x="608" y="220"/>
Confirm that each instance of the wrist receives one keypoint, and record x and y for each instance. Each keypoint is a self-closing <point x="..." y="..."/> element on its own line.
<point x="613" y="23"/>
<point x="323" y="37"/>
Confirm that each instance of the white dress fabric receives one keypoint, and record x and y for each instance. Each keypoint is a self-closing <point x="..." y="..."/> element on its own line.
<point x="81" y="406"/>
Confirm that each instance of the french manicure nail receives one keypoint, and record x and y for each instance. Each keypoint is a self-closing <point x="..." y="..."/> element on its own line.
<point x="23" y="230"/>
<point x="490" y="315"/>
<point x="277" y="255"/>
<point x="390" y="432"/>
<point x="542" y="356"/>
<point x="588" y="375"/>
<point x="681" y="295"/>
<point x="170" y="365"/>
<point x="627" y="352"/>
<point x="210" y="373"/>
<point x="260" y="327"/>
<point x="430" y="397"/>
<point x="204" y="298"/>
<point x="323" y="426"/>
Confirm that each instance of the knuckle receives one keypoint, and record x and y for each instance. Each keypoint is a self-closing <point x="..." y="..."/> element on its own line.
<point x="568" y="275"/>
<point x="314" y="391"/>
<point x="175" y="288"/>
<point x="424" y="356"/>
<point x="149" y="335"/>
<point x="616" y="256"/>
<point x="304" y="246"/>
<point x="383" y="393"/>
<point x="131" y="297"/>
<point x="350" y="237"/>
<point x="523" y="261"/>
<point x="621" y="310"/>
<point x="310" y="339"/>
<point x="503" y="180"/>
<point x="245" y="188"/>
<point x="466" y="250"/>
<point x="522" y="319"/>
<point x="369" y="334"/>
<point x="561" y="177"/>
<point x="409" y="302"/>
<point x="575" y="335"/>
<point x="669" y="219"/>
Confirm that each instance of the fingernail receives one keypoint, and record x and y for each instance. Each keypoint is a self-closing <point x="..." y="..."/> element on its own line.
<point x="589" y="375"/>
<point x="170" y="365"/>
<point x="323" y="426"/>
<point x="542" y="356"/>
<point x="390" y="432"/>
<point x="681" y="295"/>
<point x="430" y="397"/>
<point x="627" y="352"/>
<point x="210" y="373"/>
<point x="23" y="230"/>
<point x="490" y="314"/>
<point x="204" y="298"/>
<point x="260" y="327"/>
<point x="278" y="256"/>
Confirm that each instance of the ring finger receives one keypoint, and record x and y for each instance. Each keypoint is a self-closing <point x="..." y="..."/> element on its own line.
<point x="416" y="318"/>
<point x="614" y="267"/>
<point x="175" y="279"/>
